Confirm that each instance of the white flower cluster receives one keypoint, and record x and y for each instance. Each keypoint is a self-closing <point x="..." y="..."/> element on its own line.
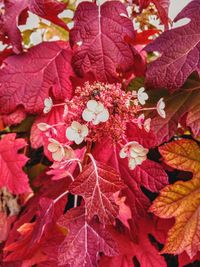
<point x="135" y="153"/>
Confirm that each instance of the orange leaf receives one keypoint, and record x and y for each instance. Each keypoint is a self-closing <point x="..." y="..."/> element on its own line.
<point x="182" y="199"/>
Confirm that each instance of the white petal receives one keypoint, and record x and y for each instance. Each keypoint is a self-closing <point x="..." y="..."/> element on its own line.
<point x="46" y="110"/>
<point x="43" y="126"/>
<point x="139" y="160"/>
<point x="88" y="115"/>
<point x="133" y="154"/>
<point x="162" y="113"/>
<point x="75" y="125"/>
<point x="52" y="140"/>
<point x="103" y="116"/>
<point x="99" y="108"/>
<point x="147" y="125"/>
<point x="96" y="120"/>
<point x="131" y="163"/>
<point x="48" y="102"/>
<point x="58" y="155"/>
<point x="52" y="147"/>
<point x="92" y="105"/>
<point x="136" y="147"/>
<point x="84" y="131"/>
<point x="161" y="104"/>
<point x="78" y="139"/>
<point x="70" y="133"/>
<point x="123" y="153"/>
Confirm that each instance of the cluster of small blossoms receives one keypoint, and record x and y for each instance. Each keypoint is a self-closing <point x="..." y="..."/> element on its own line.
<point x="102" y="110"/>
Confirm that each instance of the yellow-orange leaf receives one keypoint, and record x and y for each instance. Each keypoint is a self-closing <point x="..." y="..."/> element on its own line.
<point x="182" y="154"/>
<point x="182" y="199"/>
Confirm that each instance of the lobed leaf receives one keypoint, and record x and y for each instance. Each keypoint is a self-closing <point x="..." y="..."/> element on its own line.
<point x="179" y="51"/>
<point x="182" y="199"/>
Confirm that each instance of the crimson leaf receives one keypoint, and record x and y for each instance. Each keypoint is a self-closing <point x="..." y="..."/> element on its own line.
<point x="26" y="79"/>
<point x="98" y="35"/>
<point x="84" y="240"/>
<point x="179" y="50"/>
<point x="96" y="184"/>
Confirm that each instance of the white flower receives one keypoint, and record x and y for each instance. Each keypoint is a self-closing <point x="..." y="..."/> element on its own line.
<point x="142" y="96"/>
<point x="43" y="126"/>
<point x="48" y="104"/>
<point x="160" y="108"/>
<point x="95" y="112"/>
<point x="140" y="121"/>
<point x="76" y="132"/>
<point x="135" y="153"/>
<point x="57" y="150"/>
<point x="147" y="125"/>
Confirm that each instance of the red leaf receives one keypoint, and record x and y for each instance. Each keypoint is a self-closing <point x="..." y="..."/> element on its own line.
<point x="26" y="79"/>
<point x="98" y="35"/>
<point x="146" y="253"/>
<point x="149" y="175"/>
<point x="84" y="240"/>
<point x="179" y="49"/>
<point x="34" y="239"/>
<point x="184" y="259"/>
<point x="45" y="216"/>
<point x="96" y="184"/>
<point x="146" y="139"/>
<point x="11" y="163"/>
<point x="47" y="9"/>
<point x="177" y="105"/>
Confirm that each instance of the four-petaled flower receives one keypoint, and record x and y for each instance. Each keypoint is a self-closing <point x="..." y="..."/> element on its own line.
<point x="142" y="96"/>
<point x="57" y="150"/>
<point x="160" y="108"/>
<point x="135" y="153"/>
<point x="141" y="122"/>
<point x="48" y="104"/>
<point x="77" y="132"/>
<point x="95" y="112"/>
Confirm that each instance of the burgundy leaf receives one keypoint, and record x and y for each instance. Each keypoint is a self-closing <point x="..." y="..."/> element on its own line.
<point x="96" y="184"/>
<point x="84" y="240"/>
<point x="177" y="105"/>
<point x="179" y="49"/>
<point x="26" y="79"/>
<point x="98" y="40"/>
<point x="45" y="216"/>
<point x="149" y="175"/>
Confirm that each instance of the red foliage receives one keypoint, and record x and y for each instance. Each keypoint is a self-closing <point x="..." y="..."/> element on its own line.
<point x="80" y="181"/>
